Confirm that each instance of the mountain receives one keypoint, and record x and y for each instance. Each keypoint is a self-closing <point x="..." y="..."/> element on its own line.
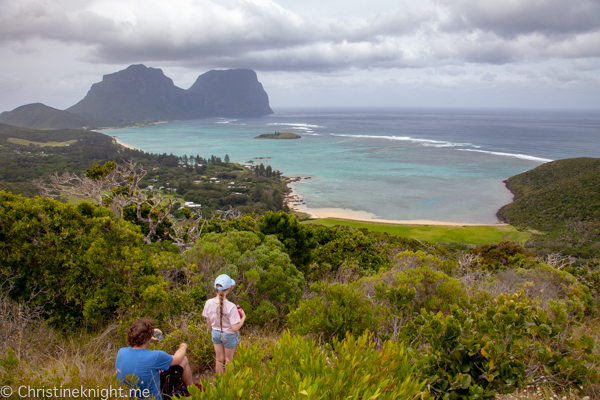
<point x="139" y="94"/>
<point x="136" y="95"/>
<point x="234" y="92"/>
<point x="40" y="116"/>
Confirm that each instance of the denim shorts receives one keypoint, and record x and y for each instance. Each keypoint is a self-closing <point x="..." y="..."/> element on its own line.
<point x="226" y="339"/>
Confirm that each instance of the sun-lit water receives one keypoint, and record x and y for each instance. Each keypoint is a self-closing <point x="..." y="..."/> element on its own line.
<point x="445" y="165"/>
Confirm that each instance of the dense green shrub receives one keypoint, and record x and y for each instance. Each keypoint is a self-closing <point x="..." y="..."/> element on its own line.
<point x="335" y="310"/>
<point x="80" y="263"/>
<point x="297" y="239"/>
<point x="298" y="369"/>
<point x="195" y="334"/>
<point x="419" y="274"/>
<point x="261" y="268"/>
<point x="503" y="255"/>
<point x="244" y="223"/>
<point x="478" y="352"/>
<point x="339" y="246"/>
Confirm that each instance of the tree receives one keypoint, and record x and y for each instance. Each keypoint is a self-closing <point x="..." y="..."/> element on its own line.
<point x="298" y="240"/>
<point x="226" y="158"/>
<point x="118" y="186"/>
<point x="81" y="263"/>
<point x="263" y="272"/>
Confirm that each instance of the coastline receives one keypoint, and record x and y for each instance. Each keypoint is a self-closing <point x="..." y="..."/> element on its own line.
<point x="111" y="128"/>
<point x="295" y="203"/>
<point x="499" y="214"/>
<point x="116" y="141"/>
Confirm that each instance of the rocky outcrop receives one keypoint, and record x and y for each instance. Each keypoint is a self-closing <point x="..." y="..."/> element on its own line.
<point x="140" y="94"/>
<point x="233" y="92"/>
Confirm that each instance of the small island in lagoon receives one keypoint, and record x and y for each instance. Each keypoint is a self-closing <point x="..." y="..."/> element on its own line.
<point x="278" y="135"/>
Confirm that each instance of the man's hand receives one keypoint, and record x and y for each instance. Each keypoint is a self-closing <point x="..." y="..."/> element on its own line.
<point x="158" y="335"/>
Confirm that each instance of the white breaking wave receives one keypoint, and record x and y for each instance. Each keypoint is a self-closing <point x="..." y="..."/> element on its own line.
<point x="298" y="125"/>
<point x="424" y="142"/>
<point x="513" y="155"/>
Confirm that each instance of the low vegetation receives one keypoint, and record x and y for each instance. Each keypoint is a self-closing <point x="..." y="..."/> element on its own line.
<point x="432" y="233"/>
<point x="278" y="135"/>
<point x="334" y="312"/>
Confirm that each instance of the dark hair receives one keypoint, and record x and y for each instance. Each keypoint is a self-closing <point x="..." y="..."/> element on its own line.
<point x="140" y="332"/>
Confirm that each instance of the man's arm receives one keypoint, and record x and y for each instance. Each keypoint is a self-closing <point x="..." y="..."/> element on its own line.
<point x="179" y="354"/>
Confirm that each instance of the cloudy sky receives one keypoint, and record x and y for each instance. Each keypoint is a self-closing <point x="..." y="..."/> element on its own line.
<point x="402" y="53"/>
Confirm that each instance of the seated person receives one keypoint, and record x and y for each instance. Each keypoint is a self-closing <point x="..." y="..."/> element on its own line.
<point x="145" y="364"/>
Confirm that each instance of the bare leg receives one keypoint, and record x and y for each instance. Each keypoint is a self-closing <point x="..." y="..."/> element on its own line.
<point x="187" y="372"/>
<point x="220" y="358"/>
<point x="229" y="354"/>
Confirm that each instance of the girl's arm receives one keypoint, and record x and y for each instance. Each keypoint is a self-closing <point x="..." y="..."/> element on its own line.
<point x="209" y="325"/>
<point x="238" y="326"/>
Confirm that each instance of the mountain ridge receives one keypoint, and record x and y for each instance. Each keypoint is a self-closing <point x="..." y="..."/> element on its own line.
<point x="41" y="116"/>
<point x="144" y="95"/>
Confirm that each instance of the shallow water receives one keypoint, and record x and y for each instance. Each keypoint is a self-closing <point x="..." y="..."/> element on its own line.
<point x="444" y="165"/>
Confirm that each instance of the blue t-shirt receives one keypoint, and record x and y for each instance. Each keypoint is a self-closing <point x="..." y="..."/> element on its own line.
<point x="144" y="364"/>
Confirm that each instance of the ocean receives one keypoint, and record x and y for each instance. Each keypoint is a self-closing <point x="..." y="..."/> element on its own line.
<point x="394" y="164"/>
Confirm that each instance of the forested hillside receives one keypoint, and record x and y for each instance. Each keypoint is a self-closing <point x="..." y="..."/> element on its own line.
<point x="213" y="182"/>
<point x="562" y="200"/>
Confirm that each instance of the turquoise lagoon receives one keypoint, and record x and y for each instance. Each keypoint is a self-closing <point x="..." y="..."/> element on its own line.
<point x="408" y="164"/>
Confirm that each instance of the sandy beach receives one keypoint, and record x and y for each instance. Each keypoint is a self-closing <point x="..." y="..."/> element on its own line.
<point x="122" y="144"/>
<point x="294" y="202"/>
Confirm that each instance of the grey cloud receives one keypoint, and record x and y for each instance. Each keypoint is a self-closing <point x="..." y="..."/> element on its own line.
<point x="488" y="77"/>
<point x="9" y="83"/>
<point x="529" y="74"/>
<point x="585" y="64"/>
<point x="563" y="76"/>
<point x="29" y="19"/>
<point x="265" y="36"/>
<point x="510" y="18"/>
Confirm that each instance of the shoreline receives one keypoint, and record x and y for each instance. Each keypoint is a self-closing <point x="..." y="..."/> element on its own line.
<point x="112" y="128"/>
<point x="116" y="141"/>
<point x="295" y="203"/>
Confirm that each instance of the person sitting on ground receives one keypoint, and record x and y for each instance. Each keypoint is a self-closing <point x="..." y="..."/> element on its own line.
<point x="223" y="321"/>
<point x="145" y="364"/>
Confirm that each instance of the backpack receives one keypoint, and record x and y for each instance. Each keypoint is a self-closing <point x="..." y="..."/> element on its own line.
<point x="170" y="382"/>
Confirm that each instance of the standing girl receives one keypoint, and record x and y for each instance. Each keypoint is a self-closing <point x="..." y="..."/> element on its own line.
<point x="224" y="321"/>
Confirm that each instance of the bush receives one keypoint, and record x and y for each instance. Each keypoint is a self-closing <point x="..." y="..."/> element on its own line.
<point x="298" y="369"/>
<point x="503" y="255"/>
<point x="432" y="289"/>
<point x="476" y="353"/>
<point x="261" y="268"/>
<point x="336" y="310"/>
<point x="79" y="263"/>
<point x="297" y="239"/>
<point x="342" y="246"/>
<point x="201" y="351"/>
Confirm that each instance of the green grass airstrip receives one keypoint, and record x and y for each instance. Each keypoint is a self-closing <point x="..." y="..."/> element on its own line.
<point x="434" y="233"/>
<point x="26" y="142"/>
